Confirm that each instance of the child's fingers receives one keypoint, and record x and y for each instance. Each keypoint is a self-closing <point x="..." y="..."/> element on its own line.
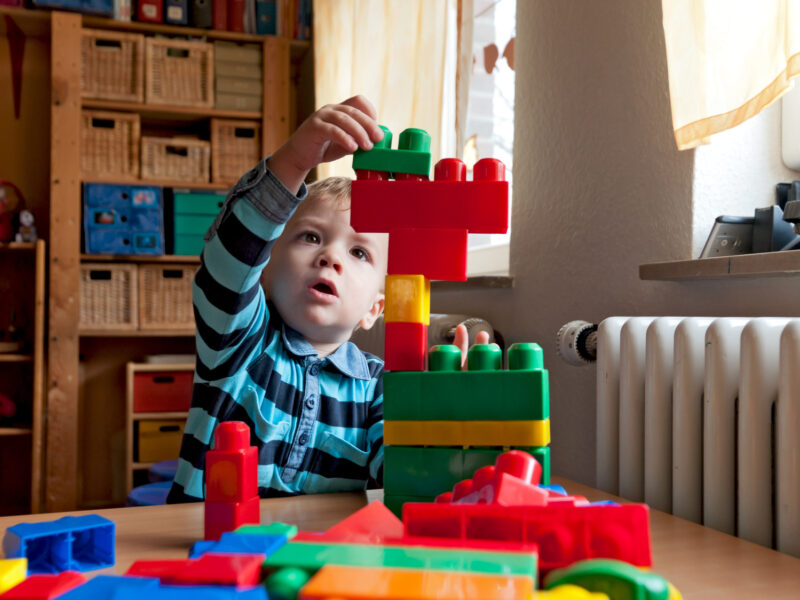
<point x="366" y="121"/>
<point x="338" y="117"/>
<point x="461" y="340"/>
<point x="339" y="137"/>
<point x="482" y="337"/>
<point x="361" y="103"/>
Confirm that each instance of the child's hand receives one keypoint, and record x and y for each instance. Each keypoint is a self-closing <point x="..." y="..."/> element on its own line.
<point x="462" y="341"/>
<point x="332" y="132"/>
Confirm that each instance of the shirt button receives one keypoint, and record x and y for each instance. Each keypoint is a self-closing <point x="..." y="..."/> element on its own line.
<point x="314" y="370"/>
<point x="310" y="402"/>
<point x="303" y="439"/>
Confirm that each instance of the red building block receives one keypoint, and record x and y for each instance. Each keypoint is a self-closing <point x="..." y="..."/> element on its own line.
<point x="209" y="569"/>
<point x="44" y="587"/>
<point x="232" y="466"/>
<point x="406" y="346"/>
<point x="221" y="517"/>
<point x="370" y="525"/>
<point x="436" y="253"/>
<point x="512" y="481"/>
<point x="164" y="570"/>
<point x="564" y="533"/>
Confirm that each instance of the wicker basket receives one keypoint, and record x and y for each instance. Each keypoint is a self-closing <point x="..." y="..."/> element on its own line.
<point x="112" y="65"/>
<point x="109" y="143"/>
<point x="180" y="73"/>
<point x="175" y="159"/>
<point x="108" y="298"/>
<point x="235" y="148"/>
<point x="165" y="296"/>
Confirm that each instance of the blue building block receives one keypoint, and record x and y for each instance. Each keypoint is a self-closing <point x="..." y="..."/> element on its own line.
<point x="106" y="587"/>
<point x="68" y="544"/>
<point x="234" y="543"/>
<point x="554" y="488"/>
<point x="186" y="592"/>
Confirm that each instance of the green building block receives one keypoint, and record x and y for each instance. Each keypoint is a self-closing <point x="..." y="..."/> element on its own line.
<point x="466" y="395"/>
<point x="412" y="155"/>
<point x="428" y="472"/>
<point x="395" y="502"/>
<point x="272" y="529"/>
<point x="311" y="556"/>
<point x="286" y="583"/>
<point x="616" y="579"/>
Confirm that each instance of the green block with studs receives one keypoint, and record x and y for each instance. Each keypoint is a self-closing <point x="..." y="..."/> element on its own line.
<point x="483" y="393"/>
<point x="412" y="156"/>
<point x="275" y="528"/>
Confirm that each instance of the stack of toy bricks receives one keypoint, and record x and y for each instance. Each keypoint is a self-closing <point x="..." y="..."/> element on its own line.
<point x="442" y="425"/>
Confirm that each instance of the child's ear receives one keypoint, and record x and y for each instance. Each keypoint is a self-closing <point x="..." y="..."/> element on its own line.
<point x="375" y="311"/>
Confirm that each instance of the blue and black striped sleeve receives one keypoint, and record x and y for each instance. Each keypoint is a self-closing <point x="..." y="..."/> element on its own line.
<point x="374" y="425"/>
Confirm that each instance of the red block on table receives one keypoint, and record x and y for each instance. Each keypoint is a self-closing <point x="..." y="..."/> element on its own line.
<point x="219" y="12"/>
<point x="221" y="517"/>
<point x="162" y="391"/>
<point x="405" y="346"/>
<point x="44" y="587"/>
<point x="209" y="569"/>
<point x="164" y="570"/>
<point x="436" y="253"/>
<point x="150" y="11"/>
<point x="236" y="9"/>
<point x="512" y="481"/>
<point x="370" y="525"/>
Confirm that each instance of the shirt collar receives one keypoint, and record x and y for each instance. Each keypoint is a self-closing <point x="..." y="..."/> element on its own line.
<point x="347" y="358"/>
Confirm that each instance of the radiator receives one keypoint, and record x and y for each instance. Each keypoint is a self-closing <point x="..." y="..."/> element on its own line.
<point x="700" y="417"/>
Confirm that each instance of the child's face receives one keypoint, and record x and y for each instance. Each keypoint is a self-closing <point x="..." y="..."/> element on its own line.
<point x="324" y="277"/>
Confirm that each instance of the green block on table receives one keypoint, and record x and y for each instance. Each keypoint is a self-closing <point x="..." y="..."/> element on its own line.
<point x="395" y="502"/>
<point x="466" y="395"/>
<point x="188" y="245"/>
<point x="617" y="579"/>
<point x="313" y="556"/>
<point x="412" y="155"/>
<point x="272" y="529"/>
<point x="428" y="472"/>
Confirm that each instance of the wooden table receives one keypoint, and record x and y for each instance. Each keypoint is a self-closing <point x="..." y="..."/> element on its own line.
<point x="702" y="563"/>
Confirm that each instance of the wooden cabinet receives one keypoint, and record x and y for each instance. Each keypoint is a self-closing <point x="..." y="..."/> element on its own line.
<point x="87" y="440"/>
<point x="22" y="282"/>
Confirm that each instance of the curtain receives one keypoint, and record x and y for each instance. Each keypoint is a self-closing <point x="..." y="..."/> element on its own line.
<point x="727" y="61"/>
<point x="401" y="54"/>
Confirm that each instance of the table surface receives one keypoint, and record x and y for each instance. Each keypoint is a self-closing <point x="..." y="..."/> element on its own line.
<point x="700" y="562"/>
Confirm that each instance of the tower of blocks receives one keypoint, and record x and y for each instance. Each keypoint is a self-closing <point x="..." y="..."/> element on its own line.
<point x="443" y="424"/>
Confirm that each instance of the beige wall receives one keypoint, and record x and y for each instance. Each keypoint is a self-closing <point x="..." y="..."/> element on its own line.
<point x="599" y="188"/>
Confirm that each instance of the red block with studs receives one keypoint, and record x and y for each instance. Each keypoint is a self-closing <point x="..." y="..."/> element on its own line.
<point x="436" y="253"/>
<point x="406" y="346"/>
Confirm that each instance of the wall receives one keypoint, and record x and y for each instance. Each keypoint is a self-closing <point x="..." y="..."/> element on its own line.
<point x="600" y="189"/>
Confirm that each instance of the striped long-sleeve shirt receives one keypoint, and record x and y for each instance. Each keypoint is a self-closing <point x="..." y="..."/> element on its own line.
<point x="317" y="422"/>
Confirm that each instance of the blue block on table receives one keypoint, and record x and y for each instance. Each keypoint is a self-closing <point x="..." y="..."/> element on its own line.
<point x="234" y="543"/>
<point x="186" y="592"/>
<point x="67" y="544"/>
<point x="106" y="587"/>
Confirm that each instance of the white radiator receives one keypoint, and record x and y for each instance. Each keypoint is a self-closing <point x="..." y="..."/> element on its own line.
<point x="700" y="417"/>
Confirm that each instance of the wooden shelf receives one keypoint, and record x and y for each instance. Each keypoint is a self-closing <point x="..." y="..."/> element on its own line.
<point x="16" y="358"/>
<point x="171" y="113"/>
<point x="6" y="431"/>
<point x="140" y="258"/>
<point x="141" y="466"/>
<point x="136" y="333"/>
<point x="767" y="264"/>
<point x="159" y="182"/>
<point x="33" y="23"/>
<point x="25" y="246"/>
<point x="157" y="416"/>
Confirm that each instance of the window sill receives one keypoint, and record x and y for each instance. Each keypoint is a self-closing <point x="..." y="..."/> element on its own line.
<point x="767" y="264"/>
<point x="475" y="283"/>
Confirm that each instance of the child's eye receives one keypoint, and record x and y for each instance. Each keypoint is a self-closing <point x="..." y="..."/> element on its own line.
<point x="360" y="253"/>
<point x="310" y="237"/>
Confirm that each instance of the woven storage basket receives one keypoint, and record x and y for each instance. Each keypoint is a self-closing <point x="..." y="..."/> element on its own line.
<point x="179" y="72"/>
<point x="109" y="143"/>
<point x="235" y="148"/>
<point x="165" y="297"/>
<point x="175" y="159"/>
<point x="112" y="65"/>
<point x="108" y="298"/>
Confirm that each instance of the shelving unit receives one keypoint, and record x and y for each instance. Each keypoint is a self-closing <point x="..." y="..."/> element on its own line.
<point x="22" y="284"/>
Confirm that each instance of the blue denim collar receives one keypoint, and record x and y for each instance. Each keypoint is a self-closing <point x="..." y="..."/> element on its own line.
<point x="347" y="357"/>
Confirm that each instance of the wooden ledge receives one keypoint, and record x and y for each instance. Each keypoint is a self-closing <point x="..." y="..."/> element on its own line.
<point x="767" y="264"/>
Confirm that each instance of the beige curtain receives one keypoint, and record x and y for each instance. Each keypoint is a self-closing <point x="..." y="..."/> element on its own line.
<point x="401" y="54"/>
<point x="727" y="60"/>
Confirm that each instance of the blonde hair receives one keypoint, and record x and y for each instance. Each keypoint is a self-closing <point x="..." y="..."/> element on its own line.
<point x="335" y="188"/>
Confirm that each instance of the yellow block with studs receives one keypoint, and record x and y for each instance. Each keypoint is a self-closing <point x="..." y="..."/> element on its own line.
<point x="12" y="572"/>
<point x="408" y="299"/>
<point x="467" y="433"/>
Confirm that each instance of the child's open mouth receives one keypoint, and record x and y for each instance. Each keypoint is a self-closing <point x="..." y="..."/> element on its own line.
<point x="324" y="290"/>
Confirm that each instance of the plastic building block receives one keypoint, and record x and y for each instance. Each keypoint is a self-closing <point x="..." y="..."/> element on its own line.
<point x="44" y="587"/>
<point x="231" y="480"/>
<point x="395" y="502"/>
<point x="12" y="572"/>
<point x="511" y="481"/>
<point x="408" y="299"/>
<point x="286" y="583"/>
<point x="185" y="592"/>
<point x="618" y="579"/>
<point x="234" y="543"/>
<point x="360" y="583"/>
<point x="479" y="206"/>
<point x="276" y="528"/>
<point x="565" y="533"/>
<point x="107" y="587"/>
<point x="406" y="346"/>
<point x="411" y="156"/>
<point x="436" y="253"/>
<point x="568" y="592"/>
<point x="68" y="544"/>
<point x="209" y="569"/>
<point x="466" y="433"/>
<point x="312" y="557"/>
<point x="371" y="524"/>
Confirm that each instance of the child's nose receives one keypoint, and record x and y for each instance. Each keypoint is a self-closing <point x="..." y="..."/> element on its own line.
<point x="330" y="259"/>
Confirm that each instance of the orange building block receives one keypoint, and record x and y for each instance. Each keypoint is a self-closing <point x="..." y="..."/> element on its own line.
<point x="408" y="299"/>
<point x="360" y="583"/>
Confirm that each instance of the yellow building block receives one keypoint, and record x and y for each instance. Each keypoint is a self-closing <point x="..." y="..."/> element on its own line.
<point x="12" y="572"/>
<point x="466" y="433"/>
<point x="408" y="299"/>
<point x="568" y="592"/>
<point x="363" y="583"/>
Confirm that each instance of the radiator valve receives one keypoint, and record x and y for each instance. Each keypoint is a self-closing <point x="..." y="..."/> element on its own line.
<point x="576" y="343"/>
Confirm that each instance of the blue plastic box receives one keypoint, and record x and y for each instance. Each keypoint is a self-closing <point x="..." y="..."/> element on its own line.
<point x="123" y="219"/>
<point x="67" y="544"/>
<point x="103" y="8"/>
